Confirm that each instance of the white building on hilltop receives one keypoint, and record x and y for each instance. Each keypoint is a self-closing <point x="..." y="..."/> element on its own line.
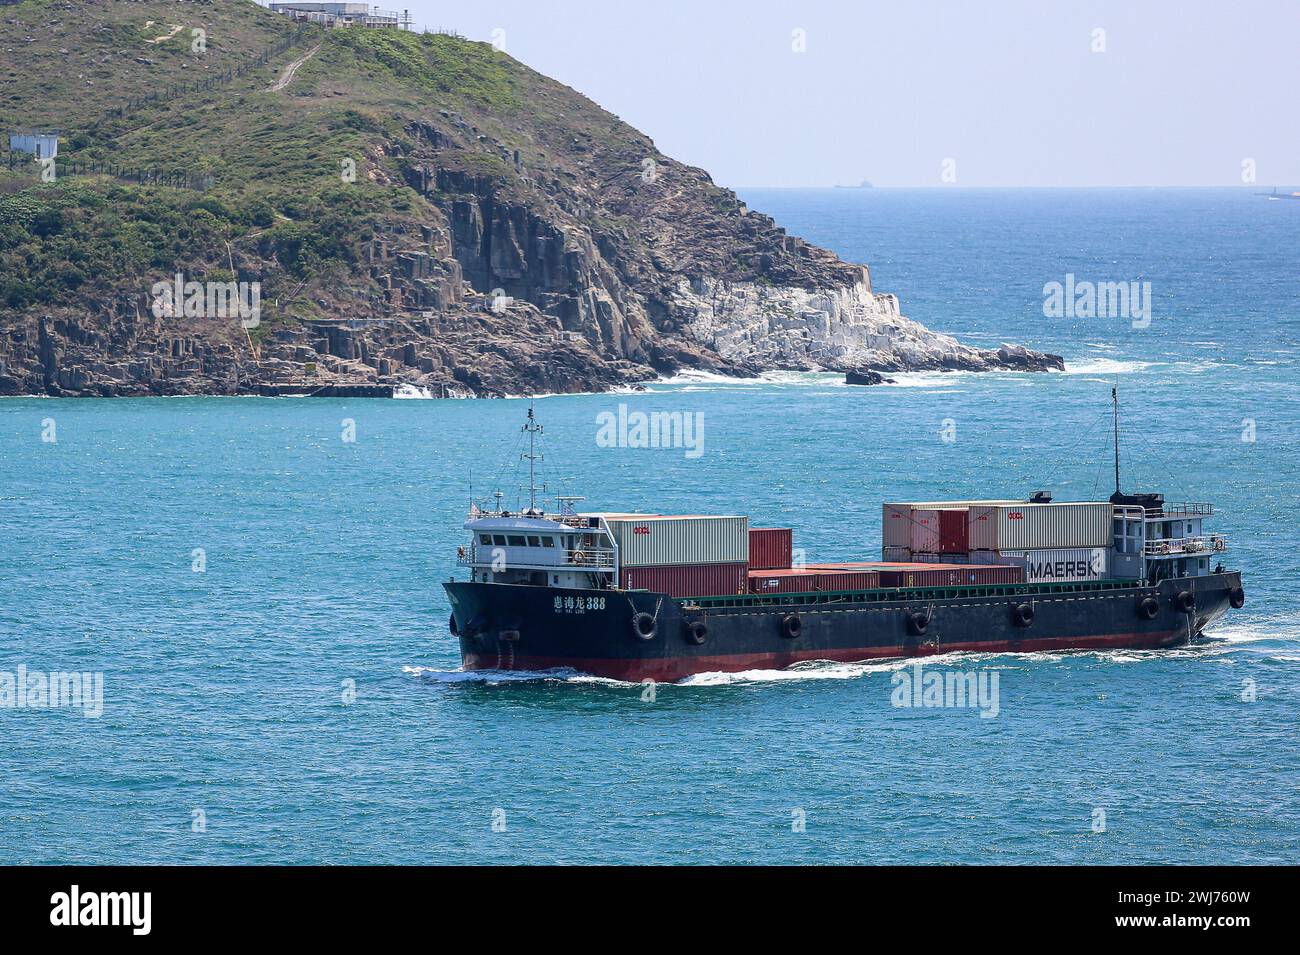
<point x="344" y="15"/>
<point x="42" y="145"/>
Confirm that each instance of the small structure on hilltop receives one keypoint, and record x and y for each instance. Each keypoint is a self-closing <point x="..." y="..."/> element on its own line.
<point x="344" y="15"/>
<point x="42" y="144"/>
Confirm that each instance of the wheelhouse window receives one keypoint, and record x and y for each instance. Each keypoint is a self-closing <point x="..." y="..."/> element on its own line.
<point x="499" y="540"/>
<point x="534" y="542"/>
<point x="517" y="540"/>
<point x="485" y="539"/>
<point x="548" y="541"/>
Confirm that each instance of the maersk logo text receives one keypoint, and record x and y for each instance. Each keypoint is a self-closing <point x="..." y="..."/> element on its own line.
<point x="1086" y="299"/>
<point x="75" y="907"/>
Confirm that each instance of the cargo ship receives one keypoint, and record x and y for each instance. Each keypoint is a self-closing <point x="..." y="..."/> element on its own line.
<point x="660" y="597"/>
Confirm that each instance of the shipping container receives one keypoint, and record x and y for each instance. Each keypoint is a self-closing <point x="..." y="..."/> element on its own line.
<point x="896" y="525"/>
<point x="1005" y="527"/>
<point x="954" y="534"/>
<point x="808" y="580"/>
<point x="1062" y="564"/>
<point x="770" y="547"/>
<point x="687" y="580"/>
<point x="896" y="554"/>
<point x="950" y="575"/>
<point x="897" y="517"/>
<point x="925" y="531"/>
<point x="658" y="540"/>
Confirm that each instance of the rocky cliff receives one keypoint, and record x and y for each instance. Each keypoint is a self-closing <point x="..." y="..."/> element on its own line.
<point x="414" y="209"/>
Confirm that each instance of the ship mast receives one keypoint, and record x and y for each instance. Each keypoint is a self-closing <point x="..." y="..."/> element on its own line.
<point x="1114" y="399"/>
<point x="534" y="429"/>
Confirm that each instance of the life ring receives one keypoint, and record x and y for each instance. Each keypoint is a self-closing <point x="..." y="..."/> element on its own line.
<point x="460" y="552"/>
<point x="577" y="557"/>
<point x="917" y="623"/>
<point x="643" y="626"/>
<point x="1147" y="608"/>
<point x="697" y="631"/>
<point x="1023" y="615"/>
<point x="451" y="625"/>
<point x="1236" y="598"/>
<point x="1185" y="601"/>
<point x="791" y="627"/>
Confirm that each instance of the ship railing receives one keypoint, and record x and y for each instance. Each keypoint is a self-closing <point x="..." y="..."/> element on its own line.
<point x="569" y="520"/>
<point x="1214" y="544"/>
<point x="591" y="558"/>
<point x="1194" y="508"/>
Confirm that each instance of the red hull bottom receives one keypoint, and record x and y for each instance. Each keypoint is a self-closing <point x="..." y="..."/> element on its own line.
<point x="669" y="669"/>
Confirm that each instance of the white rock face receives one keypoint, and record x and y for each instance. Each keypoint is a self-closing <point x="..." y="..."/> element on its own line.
<point x="833" y="329"/>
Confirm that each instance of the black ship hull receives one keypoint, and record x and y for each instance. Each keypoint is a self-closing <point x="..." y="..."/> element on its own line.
<point x="521" y="627"/>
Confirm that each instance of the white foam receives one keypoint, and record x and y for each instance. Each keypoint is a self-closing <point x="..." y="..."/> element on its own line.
<point x="1105" y="366"/>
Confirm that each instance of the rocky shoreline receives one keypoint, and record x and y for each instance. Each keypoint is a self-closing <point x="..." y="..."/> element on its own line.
<point x="527" y="243"/>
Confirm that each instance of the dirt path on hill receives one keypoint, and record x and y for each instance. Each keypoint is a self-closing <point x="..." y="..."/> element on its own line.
<point x="287" y="76"/>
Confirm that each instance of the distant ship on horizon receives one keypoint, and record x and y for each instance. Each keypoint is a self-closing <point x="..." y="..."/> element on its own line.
<point x="1279" y="195"/>
<point x="864" y="184"/>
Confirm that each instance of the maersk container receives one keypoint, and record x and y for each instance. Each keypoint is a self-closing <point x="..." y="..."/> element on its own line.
<point x="1062" y="564"/>
<point x="657" y="540"/>
<point x="687" y="580"/>
<point x="925" y="531"/>
<point x="1055" y="526"/>
<point x="770" y="548"/>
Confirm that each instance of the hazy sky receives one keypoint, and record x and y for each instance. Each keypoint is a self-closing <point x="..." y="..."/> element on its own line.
<point x="1010" y="90"/>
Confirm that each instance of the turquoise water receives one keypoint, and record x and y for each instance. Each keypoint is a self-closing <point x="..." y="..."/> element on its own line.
<point x="224" y="693"/>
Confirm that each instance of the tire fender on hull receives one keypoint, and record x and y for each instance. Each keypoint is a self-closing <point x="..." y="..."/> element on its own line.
<point x="697" y="631"/>
<point x="644" y="626"/>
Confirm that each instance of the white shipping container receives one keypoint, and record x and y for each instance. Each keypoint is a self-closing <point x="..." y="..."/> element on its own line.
<point x="656" y="540"/>
<point x="925" y="531"/>
<point x="896" y="525"/>
<point x="1065" y="564"/>
<point x="1005" y="527"/>
<point x="896" y="555"/>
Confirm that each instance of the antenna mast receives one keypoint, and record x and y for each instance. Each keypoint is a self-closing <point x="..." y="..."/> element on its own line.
<point x="533" y="429"/>
<point x="1114" y="399"/>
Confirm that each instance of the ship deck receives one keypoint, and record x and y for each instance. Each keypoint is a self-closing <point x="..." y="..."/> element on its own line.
<point x="881" y="594"/>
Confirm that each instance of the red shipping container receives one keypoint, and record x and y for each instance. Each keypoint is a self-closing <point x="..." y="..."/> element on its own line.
<point x="770" y="548"/>
<point x="811" y="580"/>
<point x="954" y="532"/>
<point x="687" y="580"/>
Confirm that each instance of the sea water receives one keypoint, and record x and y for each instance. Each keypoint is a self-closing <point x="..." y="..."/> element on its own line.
<point x="256" y="584"/>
